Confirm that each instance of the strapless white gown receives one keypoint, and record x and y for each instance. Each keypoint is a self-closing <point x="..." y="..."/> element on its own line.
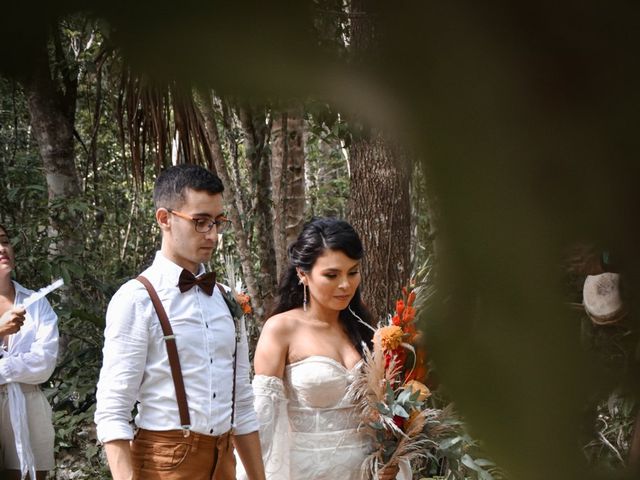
<point x="308" y="425"/>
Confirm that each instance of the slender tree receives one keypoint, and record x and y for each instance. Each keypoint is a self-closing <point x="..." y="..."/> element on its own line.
<point x="51" y="87"/>
<point x="233" y="200"/>
<point x="288" y="180"/>
<point x="256" y="126"/>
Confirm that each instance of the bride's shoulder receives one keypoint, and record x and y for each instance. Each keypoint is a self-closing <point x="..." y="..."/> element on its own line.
<point x="285" y="322"/>
<point x="273" y="344"/>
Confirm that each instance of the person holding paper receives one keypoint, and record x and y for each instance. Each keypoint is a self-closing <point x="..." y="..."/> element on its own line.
<point x="29" y="340"/>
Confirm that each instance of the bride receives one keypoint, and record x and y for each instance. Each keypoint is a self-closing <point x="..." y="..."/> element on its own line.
<point x="306" y="358"/>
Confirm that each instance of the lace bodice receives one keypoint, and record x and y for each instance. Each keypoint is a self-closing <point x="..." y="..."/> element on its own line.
<point x="308" y="424"/>
<point x="316" y="388"/>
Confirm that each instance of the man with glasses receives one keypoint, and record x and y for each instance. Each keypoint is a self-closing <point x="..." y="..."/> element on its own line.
<point x="191" y="381"/>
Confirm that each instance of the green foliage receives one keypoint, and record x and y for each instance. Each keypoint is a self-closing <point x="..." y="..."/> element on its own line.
<point x="326" y="167"/>
<point x="110" y="221"/>
<point x="106" y="235"/>
<point x="455" y="455"/>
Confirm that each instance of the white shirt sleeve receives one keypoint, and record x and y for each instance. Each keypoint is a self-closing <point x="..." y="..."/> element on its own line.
<point x="34" y="350"/>
<point x="124" y="357"/>
<point x="245" y="415"/>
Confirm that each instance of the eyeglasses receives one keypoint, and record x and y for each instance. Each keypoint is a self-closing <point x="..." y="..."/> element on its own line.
<point x="204" y="224"/>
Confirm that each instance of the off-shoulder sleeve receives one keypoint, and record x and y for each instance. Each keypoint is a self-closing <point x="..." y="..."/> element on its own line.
<point x="271" y="408"/>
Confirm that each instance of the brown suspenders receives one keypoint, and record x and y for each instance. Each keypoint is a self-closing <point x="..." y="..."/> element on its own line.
<point x="174" y="360"/>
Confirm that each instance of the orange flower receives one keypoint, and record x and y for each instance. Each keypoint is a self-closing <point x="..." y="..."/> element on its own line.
<point x="409" y="313"/>
<point x="419" y="372"/>
<point x="411" y="331"/>
<point x="399" y="307"/>
<point x="245" y="302"/>
<point x="411" y="299"/>
<point x="416" y="386"/>
<point x="396" y="320"/>
<point x="389" y="337"/>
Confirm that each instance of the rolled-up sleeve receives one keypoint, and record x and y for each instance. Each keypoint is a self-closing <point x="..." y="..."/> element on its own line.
<point x="245" y="416"/>
<point x="34" y="364"/>
<point x="123" y="365"/>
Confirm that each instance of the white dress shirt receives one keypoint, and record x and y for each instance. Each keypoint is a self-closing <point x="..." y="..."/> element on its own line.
<point x="30" y="359"/>
<point x="33" y="350"/>
<point x="136" y="365"/>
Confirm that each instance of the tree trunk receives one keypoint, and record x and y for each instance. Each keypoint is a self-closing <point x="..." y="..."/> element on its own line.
<point x="232" y="200"/>
<point x="380" y="212"/>
<point x="52" y="113"/>
<point x="279" y="157"/>
<point x="379" y="206"/>
<point x="295" y="186"/>
<point x="256" y="137"/>
<point x="287" y="174"/>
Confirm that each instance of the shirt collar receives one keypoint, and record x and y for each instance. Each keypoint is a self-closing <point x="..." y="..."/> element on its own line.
<point x="170" y="270"/>
<point x="20" y="289"/>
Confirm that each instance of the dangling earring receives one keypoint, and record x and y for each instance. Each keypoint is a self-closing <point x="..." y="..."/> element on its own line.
<point x="304" y="296"/>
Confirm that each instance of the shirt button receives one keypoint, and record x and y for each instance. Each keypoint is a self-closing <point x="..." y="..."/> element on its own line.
<point x="207" y="325"/>
<point x="214" y="394"/>
<point x="211" y="360"/>
<point x="211" y="431"/>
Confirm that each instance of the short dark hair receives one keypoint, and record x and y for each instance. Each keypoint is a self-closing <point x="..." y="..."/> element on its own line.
<point x="3" y="228"/>
<point x="171" y="184"/>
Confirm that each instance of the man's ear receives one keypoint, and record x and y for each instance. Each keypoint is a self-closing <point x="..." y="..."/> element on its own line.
<point x="162" y="217"/>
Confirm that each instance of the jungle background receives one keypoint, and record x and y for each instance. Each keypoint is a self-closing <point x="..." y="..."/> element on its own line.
<point x="473" y="147"/>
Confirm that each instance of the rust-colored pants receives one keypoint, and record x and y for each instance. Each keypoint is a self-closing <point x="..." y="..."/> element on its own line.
<point x="169" y="455"/>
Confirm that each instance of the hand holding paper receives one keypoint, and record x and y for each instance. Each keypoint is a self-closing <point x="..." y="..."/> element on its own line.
<point x="34" y="297"/>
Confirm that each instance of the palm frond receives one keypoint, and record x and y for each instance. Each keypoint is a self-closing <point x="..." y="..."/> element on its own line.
<point x="152" y="117"/>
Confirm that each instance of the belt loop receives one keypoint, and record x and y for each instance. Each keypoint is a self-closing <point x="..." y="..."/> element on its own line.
<point x="186" y="430"/>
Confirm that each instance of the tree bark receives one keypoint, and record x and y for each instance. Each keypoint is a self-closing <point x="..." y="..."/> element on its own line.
<point x="288" y="185"/>
<point x="232" y="200"/>
<point x="379" y="206"/>
<point x="380" y="212"/>
<point x="279" y="157"/>
<point x="295" y="184"/>
<point x="256" y="132"/>
<point x="52" y="114"/>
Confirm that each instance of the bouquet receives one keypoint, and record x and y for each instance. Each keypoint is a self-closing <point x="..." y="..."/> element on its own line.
<point x="391" y="397"/>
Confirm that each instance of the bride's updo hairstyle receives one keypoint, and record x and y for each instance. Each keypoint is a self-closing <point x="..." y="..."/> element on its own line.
<point x="317" y="236"/>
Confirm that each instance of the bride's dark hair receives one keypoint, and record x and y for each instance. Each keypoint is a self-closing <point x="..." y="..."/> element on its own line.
<point x="317" y="236"/>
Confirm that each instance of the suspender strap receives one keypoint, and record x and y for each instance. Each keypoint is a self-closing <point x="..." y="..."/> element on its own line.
<point x="172" y="352"/>
<point x="174" y="360"/>
<point x="235" y="356"/>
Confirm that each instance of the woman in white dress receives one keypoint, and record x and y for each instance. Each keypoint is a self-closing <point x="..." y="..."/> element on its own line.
<point x="306" y="357"/>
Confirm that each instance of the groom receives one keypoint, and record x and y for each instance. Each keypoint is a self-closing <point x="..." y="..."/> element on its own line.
<point x="194" y="401"/>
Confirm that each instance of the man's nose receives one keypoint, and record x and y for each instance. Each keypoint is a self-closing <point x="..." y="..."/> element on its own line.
<point x="212" y="234"/>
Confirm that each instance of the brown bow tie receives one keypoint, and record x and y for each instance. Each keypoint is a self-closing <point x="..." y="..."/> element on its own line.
<point x="205" y="281"/>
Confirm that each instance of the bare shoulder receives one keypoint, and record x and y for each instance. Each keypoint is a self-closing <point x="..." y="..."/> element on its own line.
<point x="281" y="324"/>
<point x="273" y="344"/>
